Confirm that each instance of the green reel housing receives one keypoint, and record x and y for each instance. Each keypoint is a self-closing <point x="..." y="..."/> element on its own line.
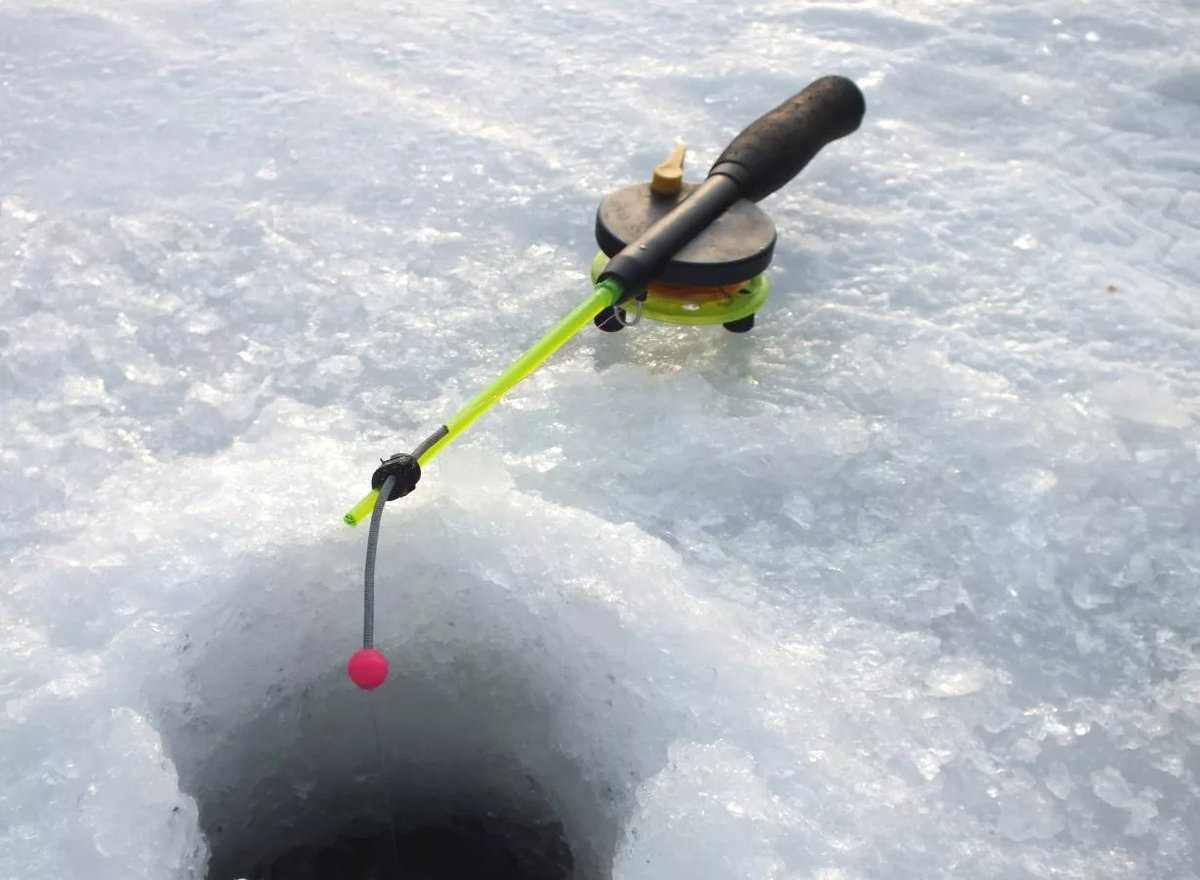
<point x="716" y="278"/>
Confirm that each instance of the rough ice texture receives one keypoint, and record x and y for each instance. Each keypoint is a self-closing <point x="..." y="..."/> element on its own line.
<point x="902" y="584"/>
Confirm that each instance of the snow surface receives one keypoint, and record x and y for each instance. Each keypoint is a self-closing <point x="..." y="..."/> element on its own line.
<point x="901" y="584"/>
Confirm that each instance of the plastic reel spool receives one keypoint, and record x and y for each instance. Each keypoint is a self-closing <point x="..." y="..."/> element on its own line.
<point x="715" y="308"/>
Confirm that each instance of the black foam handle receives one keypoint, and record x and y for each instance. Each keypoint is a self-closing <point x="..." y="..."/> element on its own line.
<point x="777" y="146"/>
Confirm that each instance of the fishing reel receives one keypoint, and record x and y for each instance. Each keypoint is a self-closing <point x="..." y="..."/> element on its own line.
<point x="716" y="278"/>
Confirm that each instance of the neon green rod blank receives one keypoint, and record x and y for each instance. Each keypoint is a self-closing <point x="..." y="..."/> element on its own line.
<point x="605" y="294"/>
<point x="362" y="510"/>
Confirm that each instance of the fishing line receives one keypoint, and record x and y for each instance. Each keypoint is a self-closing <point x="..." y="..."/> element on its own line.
<point x="383" y="787"/>
<point x="385" y="490"/>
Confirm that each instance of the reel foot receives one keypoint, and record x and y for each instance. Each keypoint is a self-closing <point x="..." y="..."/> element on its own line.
<point x="741" y="325"/>
<point x="611" y="320"/>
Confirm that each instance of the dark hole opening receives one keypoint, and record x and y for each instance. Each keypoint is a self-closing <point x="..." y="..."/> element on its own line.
<point x="456" y="847"/>
<point x="491" y="757"/>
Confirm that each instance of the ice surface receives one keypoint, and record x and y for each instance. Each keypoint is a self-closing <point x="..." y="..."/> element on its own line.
<point x="901" y="584"/>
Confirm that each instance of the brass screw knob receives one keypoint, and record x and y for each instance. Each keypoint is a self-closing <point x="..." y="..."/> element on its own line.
<point x="668" y="176"/>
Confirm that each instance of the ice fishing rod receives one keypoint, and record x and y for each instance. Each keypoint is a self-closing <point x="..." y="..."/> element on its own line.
<point x="681" y="253"/>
